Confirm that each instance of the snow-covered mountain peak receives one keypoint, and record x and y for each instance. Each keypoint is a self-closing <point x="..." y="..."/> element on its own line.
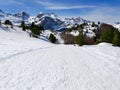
<point x="22" y="15"/>
<point x="53" y="15"/>
<point x="40" y="13"/>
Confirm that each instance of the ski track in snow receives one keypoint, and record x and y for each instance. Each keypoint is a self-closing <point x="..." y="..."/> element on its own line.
<point x="22" y="52"/>
<point x="62" y="72"/>
<point x="32" y="64"/>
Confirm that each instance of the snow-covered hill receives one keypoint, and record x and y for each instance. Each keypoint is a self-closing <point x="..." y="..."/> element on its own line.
<point x="27" y="63"/>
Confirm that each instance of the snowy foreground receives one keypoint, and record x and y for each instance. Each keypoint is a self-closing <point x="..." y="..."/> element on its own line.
<point x="32" y="64"/>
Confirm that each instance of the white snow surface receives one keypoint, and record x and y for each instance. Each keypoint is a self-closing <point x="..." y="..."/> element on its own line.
<point x="33" y="64"/>
<point x="75" y="33"/>
<point x="117" y="26"/>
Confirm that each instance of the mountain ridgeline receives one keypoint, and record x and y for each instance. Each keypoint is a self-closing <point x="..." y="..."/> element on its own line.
<point x="69" y="30"/>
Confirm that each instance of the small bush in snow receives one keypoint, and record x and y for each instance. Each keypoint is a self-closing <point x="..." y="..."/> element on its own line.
<point x="8" y="22"/>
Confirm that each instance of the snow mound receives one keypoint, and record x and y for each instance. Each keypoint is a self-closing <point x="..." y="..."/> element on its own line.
<point x="104" y="44"/>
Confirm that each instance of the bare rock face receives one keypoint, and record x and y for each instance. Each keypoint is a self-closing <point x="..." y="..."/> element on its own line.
<point x="48" y="21"/>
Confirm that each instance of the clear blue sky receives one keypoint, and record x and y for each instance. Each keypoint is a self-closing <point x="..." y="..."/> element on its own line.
<point x="95" y="10"/>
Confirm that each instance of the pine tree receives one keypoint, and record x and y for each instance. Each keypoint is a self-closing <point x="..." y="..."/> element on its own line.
<point x="36" y="29"/>
<point x="0" y="22"/>
<point x="94" y="25"/>
<point x="116" y="38"/>
<point x="52" y="38"/>
<point x="32" y="25"/>
<point x="98" y="23"/>
<point x="81" y="26"/>
<point x="23" y="25"/>
<point x="80" y="38"/>
<point x="107" y="36"/>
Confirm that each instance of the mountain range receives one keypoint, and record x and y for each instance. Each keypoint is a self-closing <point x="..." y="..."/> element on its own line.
<point x="47" y="20"/>
<point x="50" y="21"/>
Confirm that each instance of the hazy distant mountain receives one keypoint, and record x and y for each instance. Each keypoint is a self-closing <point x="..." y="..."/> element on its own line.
<point x="14" y="18"/>
<point x="22" y="15"/>
<point x="1" y="13"/>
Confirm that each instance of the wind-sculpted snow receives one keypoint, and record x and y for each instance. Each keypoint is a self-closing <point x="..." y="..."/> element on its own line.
<point x="32" y="64"/>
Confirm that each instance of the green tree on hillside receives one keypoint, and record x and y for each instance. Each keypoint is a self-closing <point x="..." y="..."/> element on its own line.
<point x="36" y="29"/>
<point x="80" y="39"/>
<point x="116" y="38"/>
<point x="23" y="25"/>
<point x="107" y="36"/>
<point x="52" y="38"/>
<point x="0" y="22"/>
<point x="94" y="25"/>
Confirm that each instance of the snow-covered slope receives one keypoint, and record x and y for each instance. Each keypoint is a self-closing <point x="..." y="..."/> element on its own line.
<point x="33" y="64"/>
<point x="117" y="25"/>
